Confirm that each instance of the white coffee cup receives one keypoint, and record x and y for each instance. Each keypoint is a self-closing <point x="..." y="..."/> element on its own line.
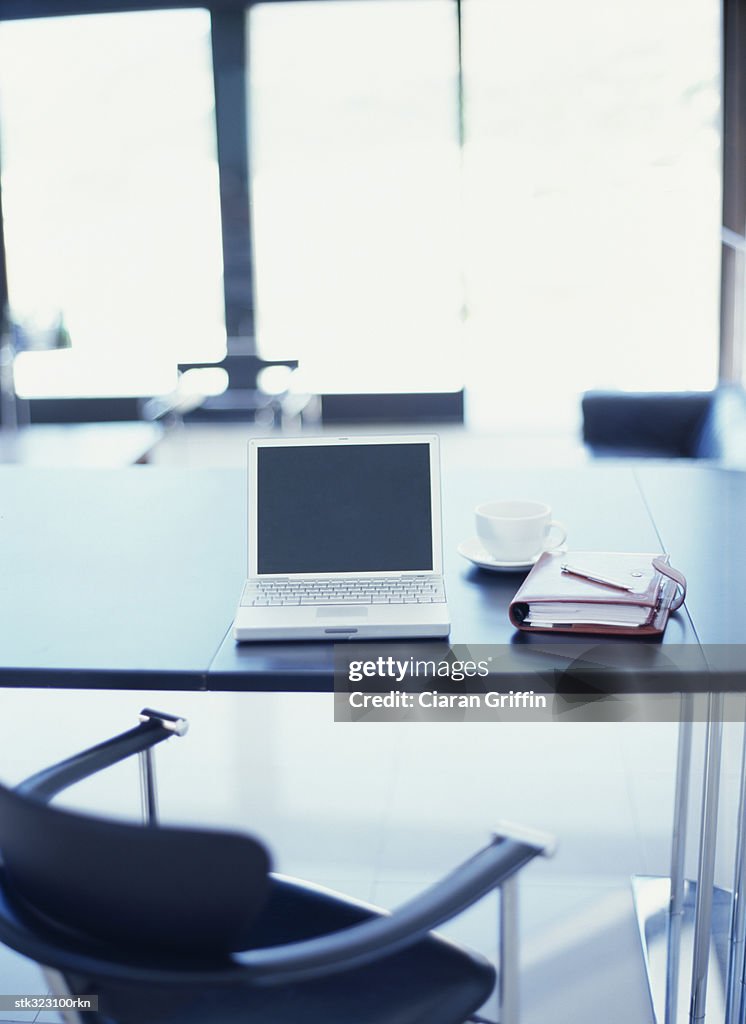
<point x="517" y="531"/>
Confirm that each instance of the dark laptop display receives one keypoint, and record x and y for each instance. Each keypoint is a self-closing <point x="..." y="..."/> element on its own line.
<point x="344" y="508"/>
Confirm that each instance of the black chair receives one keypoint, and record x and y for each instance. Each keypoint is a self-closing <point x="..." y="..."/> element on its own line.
<point x="166" y="925"/>
<point x="688" y="424"/>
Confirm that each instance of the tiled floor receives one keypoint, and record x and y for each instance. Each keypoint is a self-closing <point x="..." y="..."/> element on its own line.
<point x="380" y="810"/>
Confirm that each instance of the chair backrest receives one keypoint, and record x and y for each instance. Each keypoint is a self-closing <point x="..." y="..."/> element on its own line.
<point x="138" y="888"/>
<point x="723" y="432"/>
<point x="661" y="424"/>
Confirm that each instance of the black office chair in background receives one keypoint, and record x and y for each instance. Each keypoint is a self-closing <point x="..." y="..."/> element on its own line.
<point x="678" y="424"/>
<point x="165" y="924"/>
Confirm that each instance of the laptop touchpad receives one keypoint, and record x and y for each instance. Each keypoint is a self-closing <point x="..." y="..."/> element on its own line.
<point x="342" y="611"/>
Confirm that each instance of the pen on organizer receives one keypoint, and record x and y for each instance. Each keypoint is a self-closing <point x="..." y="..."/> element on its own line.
<point x="595" y="578"/>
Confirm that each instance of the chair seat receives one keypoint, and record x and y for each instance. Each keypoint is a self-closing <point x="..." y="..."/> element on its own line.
<point x="431" y="982"/>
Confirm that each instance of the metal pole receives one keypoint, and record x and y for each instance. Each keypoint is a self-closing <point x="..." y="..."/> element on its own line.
<point x="738" y="906"/>
<point x="678" y="852"/>
<point x="706" y="869"/>
<point x="148" y="789"/>
<point x="509" y="982"/>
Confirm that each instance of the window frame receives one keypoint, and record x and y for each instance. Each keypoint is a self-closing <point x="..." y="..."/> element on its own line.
<point x="732" y="363"/>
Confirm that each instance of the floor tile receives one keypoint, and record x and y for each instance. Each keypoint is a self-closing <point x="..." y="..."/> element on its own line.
<point x="581" y="957"/>
<point x="19" y="976"/>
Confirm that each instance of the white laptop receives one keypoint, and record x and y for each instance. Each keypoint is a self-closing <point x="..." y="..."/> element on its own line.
<point x="344" y="540"/>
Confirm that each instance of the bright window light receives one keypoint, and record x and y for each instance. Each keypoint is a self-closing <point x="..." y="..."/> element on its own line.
<point x="593" y="200"/>
<point x="203" y="380"/>
<point x="355" y="190"/>
<point x="111" y="199"/>
<point x="578" y="248"/>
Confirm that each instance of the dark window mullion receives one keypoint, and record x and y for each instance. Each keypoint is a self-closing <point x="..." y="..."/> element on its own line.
<point x="3" y="262"/>
<point x="732" y="337"/>
<point x="5" y="403"/>
<point x="230" y="72"/>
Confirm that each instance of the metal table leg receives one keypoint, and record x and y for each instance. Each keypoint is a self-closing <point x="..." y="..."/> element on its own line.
<point x="734" y="996"/>
<point x="706" y="869"/>
<point x="682" y="921"/>
<point x="678" y="853"/>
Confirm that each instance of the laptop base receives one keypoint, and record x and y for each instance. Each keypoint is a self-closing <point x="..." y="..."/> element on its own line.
<point x="342" y="622"/>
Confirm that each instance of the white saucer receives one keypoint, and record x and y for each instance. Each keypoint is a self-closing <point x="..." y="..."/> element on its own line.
<point x="473" y="550"/>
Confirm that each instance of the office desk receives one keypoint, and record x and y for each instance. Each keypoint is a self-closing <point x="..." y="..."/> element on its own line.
<point x="129" y="578"/>
<point x="702" y="512"/>
<point x="116" y="578"/>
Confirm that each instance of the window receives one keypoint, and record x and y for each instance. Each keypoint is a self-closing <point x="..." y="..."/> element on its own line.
<point x="559" y="230"/>
<point x="111" y="199"/>
<point x="593" y="197"/>
<point x="578" y="248"/>
<point x="355" y="163"/>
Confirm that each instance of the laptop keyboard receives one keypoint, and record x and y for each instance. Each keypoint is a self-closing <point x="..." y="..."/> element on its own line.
<point x="407" y="590"/>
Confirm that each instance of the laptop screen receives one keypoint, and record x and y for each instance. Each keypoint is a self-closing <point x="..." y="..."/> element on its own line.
<point x="332" y="508"/>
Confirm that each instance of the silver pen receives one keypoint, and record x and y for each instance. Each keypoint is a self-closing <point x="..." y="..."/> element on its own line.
<point x="594" y="578"/>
